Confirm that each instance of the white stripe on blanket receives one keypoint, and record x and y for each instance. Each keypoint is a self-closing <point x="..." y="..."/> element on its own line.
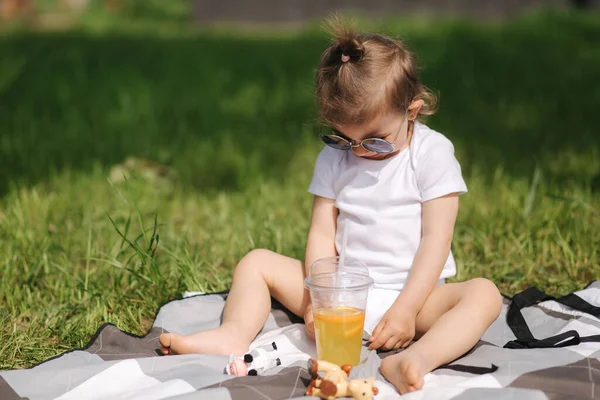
<point x="125" y="380"/>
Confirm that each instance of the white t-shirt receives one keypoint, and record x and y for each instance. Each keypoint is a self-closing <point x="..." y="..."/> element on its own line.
<point x="380" y="201"/>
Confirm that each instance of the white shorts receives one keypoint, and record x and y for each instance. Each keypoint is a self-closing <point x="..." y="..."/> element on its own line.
<point x="378" y="302"/>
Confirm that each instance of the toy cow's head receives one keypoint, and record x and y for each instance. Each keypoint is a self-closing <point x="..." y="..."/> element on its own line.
<point x="362" y="389"/>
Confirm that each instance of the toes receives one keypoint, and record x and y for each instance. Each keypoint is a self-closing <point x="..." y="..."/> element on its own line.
<point x="409" y="387"/>
<point x="413" y="381"/>
<point x="402" y="373"/>
<point x="165" y="340"/>
<point x="403" y="389"/>
<point x="419" y="384"/>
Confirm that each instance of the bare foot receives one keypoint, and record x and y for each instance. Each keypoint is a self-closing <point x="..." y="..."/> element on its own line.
<point x="405" y="371"/>
<point x="222" y="341"/>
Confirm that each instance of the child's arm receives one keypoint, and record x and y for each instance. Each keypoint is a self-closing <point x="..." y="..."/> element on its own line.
<point x="439" y="217"/>
<point x="321" y="235"/>
<point x="397" y="328"/>
<point x="320" y="243"/>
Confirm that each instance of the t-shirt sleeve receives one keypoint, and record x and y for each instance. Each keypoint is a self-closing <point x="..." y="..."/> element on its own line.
<point x="438" y="170"/>
<point x="323" y="180"/>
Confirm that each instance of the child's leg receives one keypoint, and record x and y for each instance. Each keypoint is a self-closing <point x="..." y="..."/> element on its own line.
<point x="451" y="322"/>
<point x="260" y="274"/>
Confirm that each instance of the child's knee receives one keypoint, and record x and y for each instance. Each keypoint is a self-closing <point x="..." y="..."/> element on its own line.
<point x="258" y="255"/>
<point x="487" y="294"/>
<point x="253" y="261"/>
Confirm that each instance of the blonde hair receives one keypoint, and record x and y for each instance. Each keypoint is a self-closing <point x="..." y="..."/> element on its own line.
<point x="377" y="76"/>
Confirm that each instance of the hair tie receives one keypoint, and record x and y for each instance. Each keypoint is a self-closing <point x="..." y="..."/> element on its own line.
<point x="345" y="58"/>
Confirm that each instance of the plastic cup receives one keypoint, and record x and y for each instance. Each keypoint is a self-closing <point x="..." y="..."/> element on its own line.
<point x="339" y="297"/>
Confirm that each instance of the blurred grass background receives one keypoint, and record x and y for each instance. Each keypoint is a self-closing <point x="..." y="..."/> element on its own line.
<point x="214" y="130"/>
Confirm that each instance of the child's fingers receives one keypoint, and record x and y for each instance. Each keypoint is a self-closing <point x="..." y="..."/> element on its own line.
<point x="391" y="343"/>
<point x="309" y="322"/>
<point x="309" y="325"/>
<point x="380" y="339"/>
<point x="308" y="316"/>
<point x="310" y="330"/>
<point x="376" y="331"/>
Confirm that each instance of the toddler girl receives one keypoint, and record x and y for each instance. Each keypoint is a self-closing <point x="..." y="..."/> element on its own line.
<point x="394" y="184"/>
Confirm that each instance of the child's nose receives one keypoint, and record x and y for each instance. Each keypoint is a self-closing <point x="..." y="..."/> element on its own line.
<point x="360" y="151"/>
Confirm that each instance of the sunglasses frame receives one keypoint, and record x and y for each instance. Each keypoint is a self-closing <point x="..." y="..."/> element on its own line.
<point x="350" y="145"/>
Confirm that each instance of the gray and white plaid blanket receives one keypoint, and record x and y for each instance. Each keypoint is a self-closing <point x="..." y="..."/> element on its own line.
<point x="117" y="365"/>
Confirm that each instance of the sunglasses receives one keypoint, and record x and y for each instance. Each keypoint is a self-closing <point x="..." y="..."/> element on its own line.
<point x="374" y="145"/>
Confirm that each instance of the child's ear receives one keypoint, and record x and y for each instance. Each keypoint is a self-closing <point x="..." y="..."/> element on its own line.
<point x="414" y="108"/>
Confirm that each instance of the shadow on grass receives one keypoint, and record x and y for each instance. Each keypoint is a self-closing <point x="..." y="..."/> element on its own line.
<point x="223" y="110"/>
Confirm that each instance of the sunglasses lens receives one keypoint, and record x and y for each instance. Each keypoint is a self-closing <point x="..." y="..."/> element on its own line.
<point x="379" y="146"/>
<point x="336" y="142"/>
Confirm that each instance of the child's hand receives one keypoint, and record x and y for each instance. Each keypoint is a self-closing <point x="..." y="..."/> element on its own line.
<point x="395" y="330"/>
<point x="309" y="322"/>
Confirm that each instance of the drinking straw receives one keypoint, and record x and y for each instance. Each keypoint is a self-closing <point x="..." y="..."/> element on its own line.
<point x="344" y="243"/>
<point x="341" y="264"/>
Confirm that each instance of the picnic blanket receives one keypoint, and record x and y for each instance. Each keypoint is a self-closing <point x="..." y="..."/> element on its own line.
<point x="539" y="348"/>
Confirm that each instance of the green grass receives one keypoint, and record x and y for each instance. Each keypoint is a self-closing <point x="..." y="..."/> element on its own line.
<point x="229" y="121"/>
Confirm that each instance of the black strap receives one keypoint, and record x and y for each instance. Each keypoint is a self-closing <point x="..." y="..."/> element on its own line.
<point x="470" y="369"/>
<point x="579" y="304"/>
<point x="524" y="337"/>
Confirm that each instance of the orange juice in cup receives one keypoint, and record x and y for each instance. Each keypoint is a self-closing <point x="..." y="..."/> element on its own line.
<point x="339" y="334"/>
<point x="339" y="296"/>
